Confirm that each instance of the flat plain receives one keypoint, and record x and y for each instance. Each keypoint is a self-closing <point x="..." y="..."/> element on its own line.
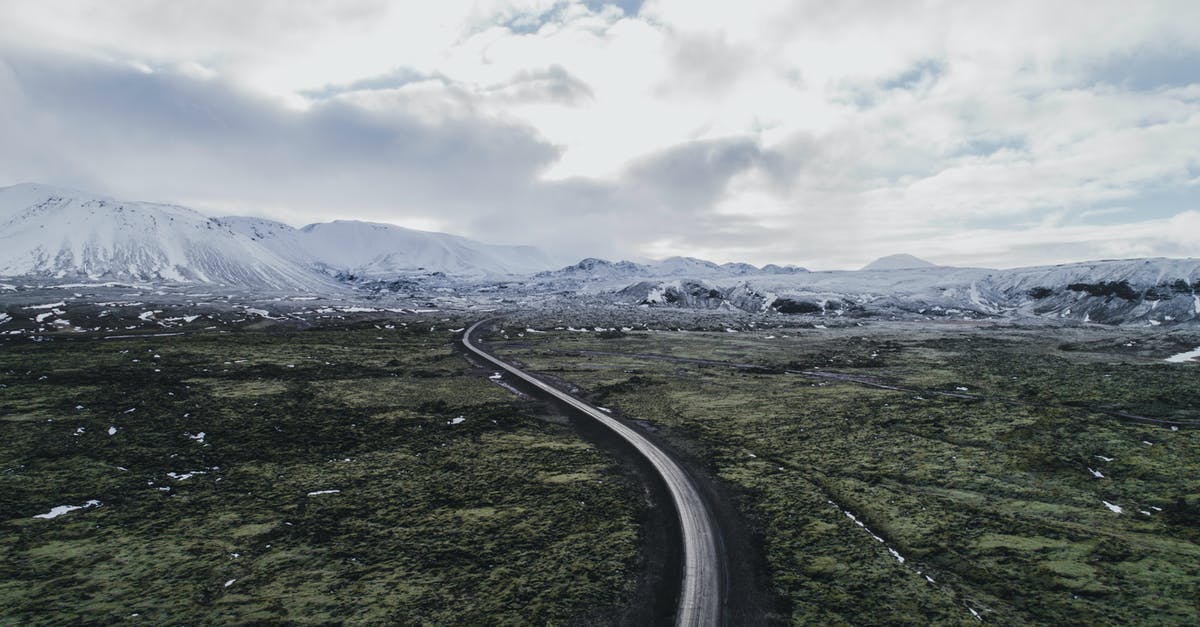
<point x="901" y="473"/>
<point x="364" y="470"/>
<point x="364" y="473"/>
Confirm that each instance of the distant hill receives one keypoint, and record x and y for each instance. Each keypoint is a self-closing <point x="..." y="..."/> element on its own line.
<point x="898" y="262"/>
<point x="374" y="250"/>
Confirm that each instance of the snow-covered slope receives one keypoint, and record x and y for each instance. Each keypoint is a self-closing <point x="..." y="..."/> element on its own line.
<point x="382" y="250"/>
<point x="60" y="233"/>
<point x="898" y="262"/>
<point x="54" y="232"/>
<point x="371" y="250"/>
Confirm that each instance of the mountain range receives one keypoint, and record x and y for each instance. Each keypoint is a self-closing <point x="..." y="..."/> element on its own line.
<point x="54" y="233"/>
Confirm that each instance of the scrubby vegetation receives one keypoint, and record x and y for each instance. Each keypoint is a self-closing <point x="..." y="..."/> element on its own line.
<point x="1120" y="289"/>
<point x="790" y="306"/>
<point x="933" y="473"/>
<point x="345" y="474"/>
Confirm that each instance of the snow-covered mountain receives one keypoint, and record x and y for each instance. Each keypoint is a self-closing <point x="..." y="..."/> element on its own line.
<point x="592" y="269"/>
<point x="52" y="232"/>
<point x="380" y="250"/>
<point x="1150" y="291"/>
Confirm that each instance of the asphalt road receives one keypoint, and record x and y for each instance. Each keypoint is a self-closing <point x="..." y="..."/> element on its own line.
<point x="700" y="592"/>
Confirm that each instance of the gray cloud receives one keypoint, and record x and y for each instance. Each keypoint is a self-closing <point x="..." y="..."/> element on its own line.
<point x="116" y="129"/>
<point x="392" y="80"/>
<point x="704" y="62"/>
<point x="126" y="131"/>
<point x="691" y="176"/>
<point x="551" y="84"/>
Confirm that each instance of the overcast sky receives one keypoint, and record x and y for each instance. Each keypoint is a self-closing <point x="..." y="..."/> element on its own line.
<point x="818" y="133"/>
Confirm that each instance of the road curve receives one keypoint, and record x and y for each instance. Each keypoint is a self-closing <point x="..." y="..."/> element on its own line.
<point x="700" y="593"/>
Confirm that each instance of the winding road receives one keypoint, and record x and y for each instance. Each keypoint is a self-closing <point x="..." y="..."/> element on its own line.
<point x="700" y="594"/>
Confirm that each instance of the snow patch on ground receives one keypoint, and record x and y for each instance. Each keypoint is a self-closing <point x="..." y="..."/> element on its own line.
<point x="456" y="421"/>
<point x="320" y="492"/>
<point x="186" y="475"/>
<point x="63" y="509"/>
<point x="1116" y="509"/>
<point x="1182" y="358"/>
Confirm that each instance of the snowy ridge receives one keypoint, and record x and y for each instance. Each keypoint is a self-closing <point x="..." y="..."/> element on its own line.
<point x="373" y="250"/>
<point x="592" y="269"/>
<point x="1148" y="291"/>
<point x="57" y="233"/>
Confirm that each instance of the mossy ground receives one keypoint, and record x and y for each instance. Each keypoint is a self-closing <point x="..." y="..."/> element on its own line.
<point x="503" y="518"/>
<point x="996" y="499"/>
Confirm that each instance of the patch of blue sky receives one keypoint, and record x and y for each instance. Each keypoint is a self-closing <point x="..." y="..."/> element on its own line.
<point x="1147" y="204"/>
<point x="867" y="95"/>
<point x="1156" y="203"/>
<point x="915" y="75"/>
<point x="529" y="23"/>
<point x="986" y="146"/>
<point x="629" y="7"/>
<point x="1148" y="69"/>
